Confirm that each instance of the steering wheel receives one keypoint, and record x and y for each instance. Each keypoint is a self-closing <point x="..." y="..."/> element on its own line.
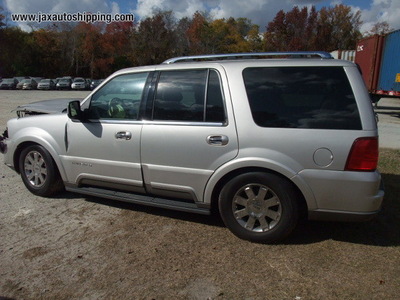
<point x="115" y="108"/>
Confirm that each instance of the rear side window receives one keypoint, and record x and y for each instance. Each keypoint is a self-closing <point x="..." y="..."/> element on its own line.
<point x="301" y="97"/>
<point x="189" y="95"/>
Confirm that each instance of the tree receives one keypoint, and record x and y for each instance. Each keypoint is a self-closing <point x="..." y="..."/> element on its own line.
<point x="254" y="39"/>
<point x="232" y="36"/>
<point x="198" y="34"/>
<point x="338" y="28"/>
<point x="306" y="29"/>
<point x="116" y="45"/>
<point x="222" y="35"/>
<point x="154" y="40"/>
<point x="292" y="31"/>
<point x="182" y="39"/>
<point x="380" y="28"/>
<point x="47" y="43"/>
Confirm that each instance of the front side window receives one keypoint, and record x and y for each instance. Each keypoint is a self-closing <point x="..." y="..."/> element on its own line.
<point x="301" y="97"/>
<point x="120" y="98"/>
<point x="189" y="95"/>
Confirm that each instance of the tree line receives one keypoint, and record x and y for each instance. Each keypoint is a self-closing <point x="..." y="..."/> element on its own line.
<point x="96" y="50"/>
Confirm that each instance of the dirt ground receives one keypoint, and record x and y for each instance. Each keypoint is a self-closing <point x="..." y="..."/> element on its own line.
<point x="74" y="247"/>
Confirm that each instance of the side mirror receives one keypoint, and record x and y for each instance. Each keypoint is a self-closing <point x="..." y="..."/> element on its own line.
<point x="74" y="110"/>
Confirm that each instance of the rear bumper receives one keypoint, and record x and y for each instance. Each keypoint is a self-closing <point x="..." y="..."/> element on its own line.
<point x="339" y="216"/>
<point x="344" y="195"/>
<point x="345" y="216"/>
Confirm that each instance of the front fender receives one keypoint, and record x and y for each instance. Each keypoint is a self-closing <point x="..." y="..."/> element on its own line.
<point x="29" y="135"/>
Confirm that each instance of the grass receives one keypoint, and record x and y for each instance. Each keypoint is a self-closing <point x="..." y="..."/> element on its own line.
<point x="389" y="161"/>
<point x="389" y="166"/>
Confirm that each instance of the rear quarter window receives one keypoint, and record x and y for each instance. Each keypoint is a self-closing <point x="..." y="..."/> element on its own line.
<point x="301" y="97"/>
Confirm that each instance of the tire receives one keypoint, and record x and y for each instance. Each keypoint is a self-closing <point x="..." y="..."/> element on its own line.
<point x="259" y="207"/>
<point x="39" y="172"/>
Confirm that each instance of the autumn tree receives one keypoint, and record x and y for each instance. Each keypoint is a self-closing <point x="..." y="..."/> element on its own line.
<point x="47" y="43"/>
<point x="222" y="35"/>
<point x="291" y="31"/>
<point x="338" y="28"/>
<point x="303" y="29"/>
<point x="96" y="50"/>
<point x="182" y="39"/>
<point x="18" y="54"/>
<point x="116" y="44"/>
<point x="199" y="35"/>
<point x="230" y="36"/>
<point x="154" y="40"/>
<point x="380" y="28"/>
<point x="254" y="39"/>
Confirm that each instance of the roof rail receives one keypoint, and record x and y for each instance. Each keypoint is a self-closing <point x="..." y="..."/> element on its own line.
<point x="295" y="54"/>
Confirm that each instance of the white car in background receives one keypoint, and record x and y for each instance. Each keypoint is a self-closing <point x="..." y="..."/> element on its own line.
<point x="79" y="84"/>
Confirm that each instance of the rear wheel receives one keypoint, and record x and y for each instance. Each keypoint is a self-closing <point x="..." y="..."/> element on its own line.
<point x="39" y="172"/>
<point x="259" y="207"/>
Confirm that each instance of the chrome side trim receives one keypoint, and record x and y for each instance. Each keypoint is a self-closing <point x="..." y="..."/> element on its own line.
<point x="163" y="122"/>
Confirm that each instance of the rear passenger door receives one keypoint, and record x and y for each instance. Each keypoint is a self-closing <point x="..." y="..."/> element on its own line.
<point x="189" y="133"/>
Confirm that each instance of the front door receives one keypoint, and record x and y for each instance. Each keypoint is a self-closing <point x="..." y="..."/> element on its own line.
<point x="104" y="150"/>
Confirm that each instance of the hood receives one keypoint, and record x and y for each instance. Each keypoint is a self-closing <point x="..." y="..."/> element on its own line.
<point x="52" y="106"/>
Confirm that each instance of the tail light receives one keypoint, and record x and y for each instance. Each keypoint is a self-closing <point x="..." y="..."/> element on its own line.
<point x="363" y="155"/>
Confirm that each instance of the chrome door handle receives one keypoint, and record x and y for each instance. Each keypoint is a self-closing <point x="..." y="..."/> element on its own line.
<point x="123" y="135"/>
<point x="219" y="140"/>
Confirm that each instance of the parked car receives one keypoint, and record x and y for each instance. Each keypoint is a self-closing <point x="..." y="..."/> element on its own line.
<point x="95" y="83"/>
<point x="46" y="84"/>
<point x="30" y="84"/>
<point x="79" y="84"/>
<point x="9" y="83"/>
<point x="64" y="84"/>
<point x="88" y="81"/>
<point x="263" y="141"/>
<point x="20" y="84"/>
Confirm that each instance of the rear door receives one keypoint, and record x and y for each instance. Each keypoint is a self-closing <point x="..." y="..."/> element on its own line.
<point x="189" y="134"/>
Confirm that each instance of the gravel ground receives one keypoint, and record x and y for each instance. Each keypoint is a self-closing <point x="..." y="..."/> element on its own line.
<point x="74" y="247"/>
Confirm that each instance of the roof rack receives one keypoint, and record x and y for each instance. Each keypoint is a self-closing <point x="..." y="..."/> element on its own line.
<point x="295" y="54"/>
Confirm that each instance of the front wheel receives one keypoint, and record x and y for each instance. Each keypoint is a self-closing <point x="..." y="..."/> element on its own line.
<point x="39" y="172"/>
<point x="259" y="207"/>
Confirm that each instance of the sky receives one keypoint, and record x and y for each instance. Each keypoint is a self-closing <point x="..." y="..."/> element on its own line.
<point x="258" y="11"/>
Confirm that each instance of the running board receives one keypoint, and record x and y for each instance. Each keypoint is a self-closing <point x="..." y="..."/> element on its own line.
<point x="140" y="199"/>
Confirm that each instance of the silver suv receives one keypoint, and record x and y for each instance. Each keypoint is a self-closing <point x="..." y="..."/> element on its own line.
<point x="263" y="140"/>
